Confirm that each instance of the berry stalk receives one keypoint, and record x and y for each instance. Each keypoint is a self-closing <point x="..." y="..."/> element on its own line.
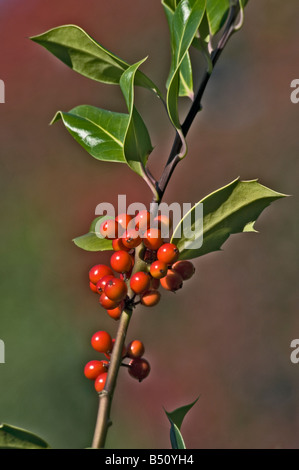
<point x="106" y="395"/>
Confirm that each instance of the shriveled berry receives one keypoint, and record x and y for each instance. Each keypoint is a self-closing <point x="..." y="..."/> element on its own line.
<point x="185" y="268"/>
<point x="115" y="313"/>
<point x="149" y="256"/>
<point x="102" y="283"/>
<point x="150" y="297"/>
<point x="100" y="381"/>
<point x="155" y="283"/>
<point x="98" y="271"/>
<point x="139" y="368"/>
<point x="116" y="289"/>
<point x="109" y="229"/>
<point x="135" y="349"/>
<point x="121" y="261"/>
<point x="95" y="368"/>
<point x="152" y="239"/>
<point x="126" y="276"/>
<point x="158" y="269"/>
<point x="168" y="253"/>
<point x="172" y="281"/>
<point x="140" y="282"/>
<point x="107" y="303"/>
<point x="131" y="239"/>
<point x="101" y="341"/>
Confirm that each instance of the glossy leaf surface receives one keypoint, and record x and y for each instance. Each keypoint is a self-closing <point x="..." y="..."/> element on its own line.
<point x="231" y="209"/>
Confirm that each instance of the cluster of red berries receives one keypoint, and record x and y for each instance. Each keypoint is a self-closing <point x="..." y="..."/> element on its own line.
<point x="161" y="265"/>
<point x="157" y="264"/>
<point x="102" y="342"/>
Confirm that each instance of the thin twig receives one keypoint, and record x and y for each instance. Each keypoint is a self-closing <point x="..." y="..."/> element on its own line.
<point x="195" y="107"/>
<point x="106" y="396"/>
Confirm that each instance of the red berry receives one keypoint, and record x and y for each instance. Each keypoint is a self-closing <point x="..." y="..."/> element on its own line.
<point x="93" y="287"/>
<point x="140" y="282"/>
<point x="152" y="239"/>
<point x="131" y="239"/>
<point x="101" y="341"/>
<point x="168" y="253"/>
<point x="142" y="220"/>
<point x="109" y="229"/>
<point x="150" y="298"/>
<point x="135" y="349"/>
<point x="139" y="368"/>
<point x="172" y="281"/>
<point x="115" y="313"/>
<point x="124" y="220"/>
<point x="121" y="261"/>
<point x="95" y="368"/>
<point x="102" y="283"/>
<point x="100" y="381"/>
<point x="117" y="245"/>
<point x="158" y="269"/>
<point x="185" y="268"/>
<point x="97" y="272"/>
<point x="116" y="289"/>
<point x="107" y="303"/>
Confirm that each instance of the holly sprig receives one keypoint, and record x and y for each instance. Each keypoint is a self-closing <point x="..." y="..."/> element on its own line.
<point x="205" y="26"/>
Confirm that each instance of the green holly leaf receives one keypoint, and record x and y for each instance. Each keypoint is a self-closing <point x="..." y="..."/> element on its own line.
<point x="231" y="209"/>
<point x="170" y="5"/>
<point x="137" y="144"/>
<point x="176" y="418"/>
<point x="186" y="76"/>
<point x="217" y="11"/>
<point x="12" y="437"/>
<point x="204" y="30"/>
<point x="202" y="41"/>
<point x="79" y="51"/>
<point x="185" y="23"/>
<point x="110" y="136"/>
<point x="93" y="241"/>
<point x="100" y="132"/>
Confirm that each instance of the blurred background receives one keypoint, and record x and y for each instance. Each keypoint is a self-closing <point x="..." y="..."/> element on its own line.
<point x="226" y="336"/>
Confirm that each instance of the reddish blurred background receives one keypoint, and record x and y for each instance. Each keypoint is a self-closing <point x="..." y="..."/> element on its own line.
<point x="226" y="336"/>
